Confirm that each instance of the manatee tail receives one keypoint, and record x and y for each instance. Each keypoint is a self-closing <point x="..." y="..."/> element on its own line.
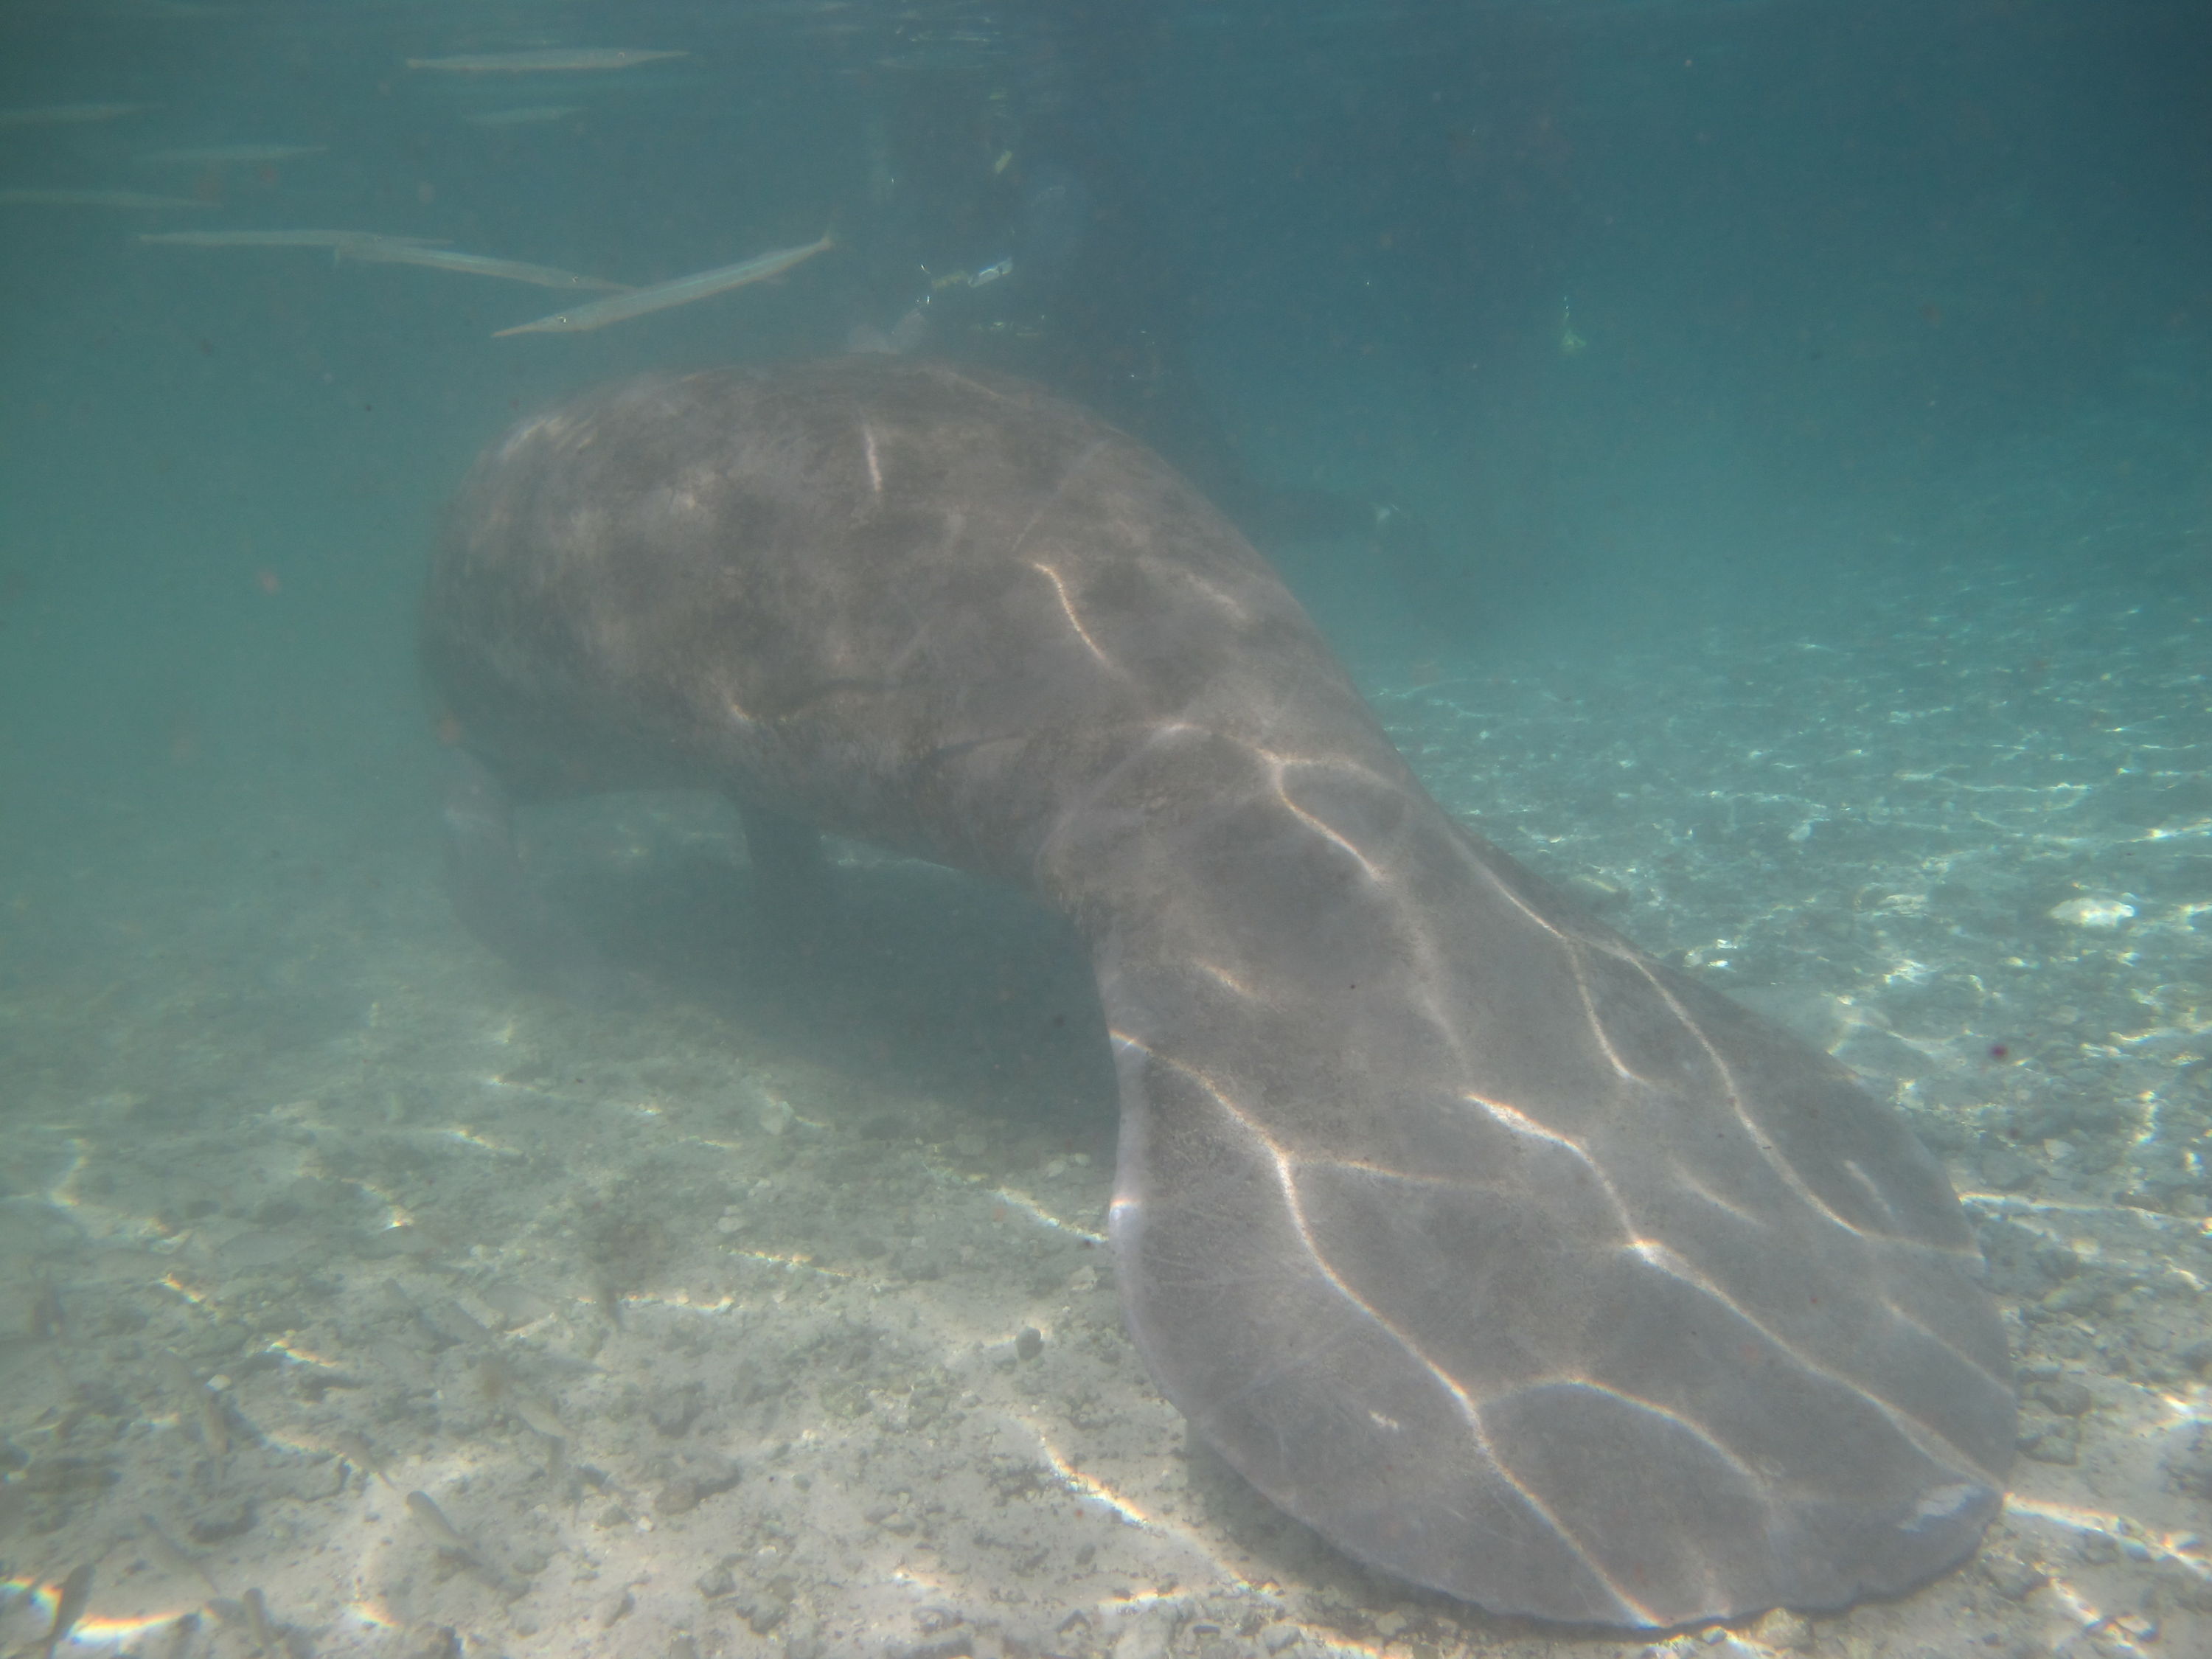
<point x="1506" y="1258"/>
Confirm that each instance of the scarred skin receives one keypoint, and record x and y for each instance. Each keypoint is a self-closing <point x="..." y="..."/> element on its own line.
<point x="1511" y="1262"/>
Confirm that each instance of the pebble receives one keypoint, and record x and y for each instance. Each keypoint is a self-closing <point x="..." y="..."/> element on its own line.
<point x="2010" y="1576"/>
<point x="1784" y="1630"/>
<point x="1146" y="1636"/>
<point x="2066" y="1395"/>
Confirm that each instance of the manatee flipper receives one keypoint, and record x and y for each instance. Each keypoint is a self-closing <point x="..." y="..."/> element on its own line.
<point x="499" y="901"/>
<point x="1513" y="1262"/>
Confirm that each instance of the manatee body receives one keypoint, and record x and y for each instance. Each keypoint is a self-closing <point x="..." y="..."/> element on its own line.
<point x="1511" y="1262"/>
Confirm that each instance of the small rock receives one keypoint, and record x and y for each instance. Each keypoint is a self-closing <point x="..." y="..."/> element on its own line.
<point x="1028" y="1342"/>
<point x="1277" y="1637"/>
<point x="2066" y="1395"/>
<point x="226" y="1517"/>
<point x="2098" y="1549"/>
<point x="2076" y="1295"/>
<point x="2058" y="1262"/>
<point x="1146" y="1636"/>
<point x="673" y="1409"/>
<point x="2010" y="1576"/>
<point x="2006" y="1170"/>
<point x="677" y="1496"/>
<point x="1785" y="1631"/>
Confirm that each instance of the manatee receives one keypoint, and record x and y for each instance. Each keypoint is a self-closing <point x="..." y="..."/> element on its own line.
<point x="1509" y="1261"/>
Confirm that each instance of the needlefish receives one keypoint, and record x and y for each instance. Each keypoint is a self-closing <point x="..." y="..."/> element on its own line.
<point x="682" y="290"/>
<point x="473" y="265"/>
<point x="337" y="240"/>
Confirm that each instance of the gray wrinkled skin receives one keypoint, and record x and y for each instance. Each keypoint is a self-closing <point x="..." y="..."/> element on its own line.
<point x="1513" y="1262"/>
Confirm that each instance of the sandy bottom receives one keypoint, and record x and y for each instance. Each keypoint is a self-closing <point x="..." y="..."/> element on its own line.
<point x="765" y="1312"/>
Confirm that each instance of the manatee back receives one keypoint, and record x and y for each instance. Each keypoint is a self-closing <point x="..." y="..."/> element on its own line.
<point x="911" y="603"/>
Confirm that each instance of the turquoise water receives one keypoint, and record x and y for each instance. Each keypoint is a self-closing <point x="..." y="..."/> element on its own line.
<point x="1801" y="413"/>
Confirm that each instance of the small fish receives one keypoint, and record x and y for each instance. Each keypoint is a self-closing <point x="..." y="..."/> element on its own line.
<point x="607" y="1297"/>
<point x="356" y="1450"/>
<point x="107" y="199"/>
<point x="546" y="60"/>
<point x="680" y="291"/>
<point x="450" y="1323"/>
<point x="432" y="1519"/>
<point x="258" y="1625"/>
<point x="529" y="115"/>
<point x="500" y="1386"/>
<point x="55" y="115"/>
<point x="68" y="1607"/>
<point x="209" y="155"/>
<point x="173" y="1556"/>
<point x="337" y="241"/>
<point x="207" y="1408"/>
<point x="539" y="1414"/>
<point x="474" y="264"/>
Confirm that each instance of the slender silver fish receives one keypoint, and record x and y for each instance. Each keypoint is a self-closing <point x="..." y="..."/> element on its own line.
<point x="335" y="239"/>
<point x="202" y="155"/>
<point x="208" y="1406"/>
<point x="55" y="115"/>
<point x="356" y="1449"/>
<point x="443" y="1532"/>
<point x="172" y="1555"/>
<point x="545" y="60"/>
<point x="682" y="291"/>
<point x="473" y="265"/>
<point x="107" y="199"/>
<point x="258" y="1625"/>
